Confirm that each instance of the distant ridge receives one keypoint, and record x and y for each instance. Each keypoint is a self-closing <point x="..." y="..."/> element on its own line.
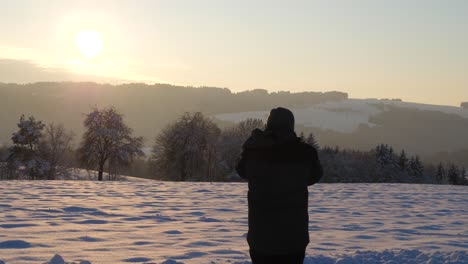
<point x="147" y="107"/>
<point x="336" y="120"/>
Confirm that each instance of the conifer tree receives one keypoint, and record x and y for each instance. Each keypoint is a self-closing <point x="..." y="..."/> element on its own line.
<point x="384" y="155"/>
<point x="453" y="175"/>
<point x="402" y="160"/>
<point x="440" y="173"/>
<point x="416" y="167"/>
<point x="463" y="179"/>
<point x="25" y="152"/>
<point x="312" y="141"/>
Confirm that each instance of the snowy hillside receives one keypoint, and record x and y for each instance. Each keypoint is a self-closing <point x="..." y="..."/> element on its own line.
<point x="165" y="222"/>
<point x="345" y="115"/>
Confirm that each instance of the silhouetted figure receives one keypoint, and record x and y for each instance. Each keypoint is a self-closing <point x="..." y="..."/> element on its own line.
<point x="278" y="167"/>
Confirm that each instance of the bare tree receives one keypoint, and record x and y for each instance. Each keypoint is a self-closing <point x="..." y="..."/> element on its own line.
<point x="186" y="149"/>
<point x="107" y="138"/>
<point x="231" y="142"/>
<point x="56" y="149"/>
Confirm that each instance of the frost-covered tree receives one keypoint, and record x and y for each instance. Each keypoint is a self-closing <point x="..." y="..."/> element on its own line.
<point x="246" y="127"/>
<point x="453" y="175"/>
<point x="25" y="155"/>
<point x="5" y="172"/>
<point x="56" y="149"/>
<point x="107" y="138"/>
<point x="4" y="153"/>
<point x="440" y="174"/>
<point x="389" y="164"/>
<point x="403" y="160"/>
<point x="463" y="176"/>
<point x="381" y="164"/>
<point x="384" y="155"/>
<point x="231" y="141"/>
<point x="187" y="149"/>
<point x="416" y="168"/>
<point x="350" y="166"/>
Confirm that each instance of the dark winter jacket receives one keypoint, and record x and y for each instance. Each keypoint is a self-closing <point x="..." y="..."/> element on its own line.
<point x="278" y="167"/>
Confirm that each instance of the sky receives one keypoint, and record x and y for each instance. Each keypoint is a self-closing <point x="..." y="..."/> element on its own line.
<point x="413" y="50"/>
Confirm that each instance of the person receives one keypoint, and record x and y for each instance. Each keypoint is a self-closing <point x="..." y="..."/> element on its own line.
<point x="279" y="167"/>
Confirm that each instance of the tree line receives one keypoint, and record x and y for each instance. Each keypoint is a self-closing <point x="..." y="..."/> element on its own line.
<point x="192" y="148"/>
<point x="45" y="152"/>
<point x="384" y="165"/>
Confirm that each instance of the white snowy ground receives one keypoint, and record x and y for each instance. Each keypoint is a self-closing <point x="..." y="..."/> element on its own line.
<point x="163" y="222"/>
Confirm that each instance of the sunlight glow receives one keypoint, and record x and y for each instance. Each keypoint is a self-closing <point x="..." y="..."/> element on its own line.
<point x="89" y="42"/>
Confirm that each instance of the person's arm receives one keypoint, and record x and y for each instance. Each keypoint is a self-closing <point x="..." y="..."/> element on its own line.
<point x="316" y="172"/>
<point x="241" y="162"/>
<point x="240" y="168"/>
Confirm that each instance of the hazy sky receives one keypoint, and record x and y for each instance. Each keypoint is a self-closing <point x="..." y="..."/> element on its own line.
<point x="414" y="50"/>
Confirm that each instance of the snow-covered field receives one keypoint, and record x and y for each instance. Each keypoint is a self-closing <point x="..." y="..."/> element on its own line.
<point x="164" y="222"/>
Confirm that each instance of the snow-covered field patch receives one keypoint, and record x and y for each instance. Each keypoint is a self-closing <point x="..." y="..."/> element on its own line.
<point x="342" y="116"/>
<point x="164" y="222"/>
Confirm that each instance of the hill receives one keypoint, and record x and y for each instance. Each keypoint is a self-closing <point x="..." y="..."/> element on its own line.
<point x="428" y="130"/>
<point x="363" y="123"/>
<point x="147" y="108"/>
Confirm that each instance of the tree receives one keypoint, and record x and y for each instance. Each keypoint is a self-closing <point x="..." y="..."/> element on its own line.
<point x="4" y="153"/>
<point x="402" y="160"/>
<point x="312" y="141"/>
<point x="4" y="171"/>
<point x="187" y="149"/>
<point x="416" y="168"/>
<point x="453" y="175"/>
<point x="388" y="162"/>
<point x="463" y="175"/>
<point x="245" y="128"/>
<point x="231" y="141"/>
<point x="24" y="154"/>
<point x="55" y="148"/>
<point x="107" y="138"/>
<point x="384" y="154"/>
<point x="440" y="175"/>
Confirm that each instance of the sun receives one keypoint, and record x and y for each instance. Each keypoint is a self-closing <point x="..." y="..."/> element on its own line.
<point x="89" y="42"/>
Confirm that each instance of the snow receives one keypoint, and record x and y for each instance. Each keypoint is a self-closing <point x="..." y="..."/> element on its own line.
<point x="57" y="259"/>
<point x="168" y="222"/>
<point x="342" y="116"/>
<point x="82" y="174"/>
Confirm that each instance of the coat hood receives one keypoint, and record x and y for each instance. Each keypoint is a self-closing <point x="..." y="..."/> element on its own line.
<point x="280" y="118"/>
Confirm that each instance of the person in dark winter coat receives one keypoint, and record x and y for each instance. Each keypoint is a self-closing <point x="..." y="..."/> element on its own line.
<point x="278" y="166"/>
